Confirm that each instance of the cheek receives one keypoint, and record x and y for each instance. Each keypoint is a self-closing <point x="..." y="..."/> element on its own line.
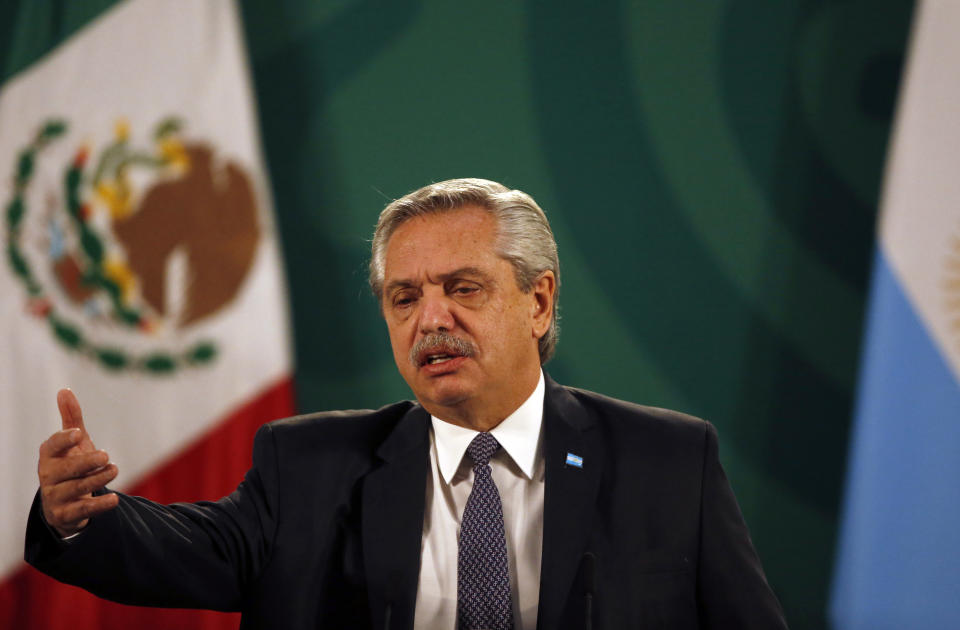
<point x="510" y="325"/>
<point x="397" y="342"/>
<point x="397" y="353"/>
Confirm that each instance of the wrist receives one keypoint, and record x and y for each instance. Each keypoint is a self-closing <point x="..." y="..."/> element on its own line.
<point x="67" y="534"/>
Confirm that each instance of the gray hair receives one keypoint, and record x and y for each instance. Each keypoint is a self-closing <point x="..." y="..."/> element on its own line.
<point x="524" y="237"/>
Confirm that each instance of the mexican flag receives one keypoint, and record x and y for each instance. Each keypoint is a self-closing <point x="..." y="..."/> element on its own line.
<point x="142" y="269"/>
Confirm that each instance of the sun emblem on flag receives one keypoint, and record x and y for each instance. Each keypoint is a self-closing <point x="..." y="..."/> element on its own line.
<point x="136" y="239"/>
<point x="952" y="286"/>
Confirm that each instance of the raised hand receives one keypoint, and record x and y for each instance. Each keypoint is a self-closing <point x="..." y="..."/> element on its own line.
<point x="70" y="470"/>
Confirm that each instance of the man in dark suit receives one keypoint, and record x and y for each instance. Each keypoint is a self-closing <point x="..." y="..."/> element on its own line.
<point x="499" y="499"/>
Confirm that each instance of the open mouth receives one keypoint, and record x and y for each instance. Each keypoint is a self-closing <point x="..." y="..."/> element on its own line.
<point x="436" y="356"/>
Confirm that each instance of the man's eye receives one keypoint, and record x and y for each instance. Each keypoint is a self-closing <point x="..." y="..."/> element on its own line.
<point x="464" y="290"/>
<point x="403" y="300"/>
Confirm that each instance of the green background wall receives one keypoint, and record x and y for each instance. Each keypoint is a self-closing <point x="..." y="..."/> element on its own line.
<point x="711" y="170"/>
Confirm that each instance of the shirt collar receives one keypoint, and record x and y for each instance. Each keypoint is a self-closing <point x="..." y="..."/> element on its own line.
<point x="518" y="434"/>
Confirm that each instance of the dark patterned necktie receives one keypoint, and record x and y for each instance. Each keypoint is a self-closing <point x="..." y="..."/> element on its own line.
<point x="483" y="574"/>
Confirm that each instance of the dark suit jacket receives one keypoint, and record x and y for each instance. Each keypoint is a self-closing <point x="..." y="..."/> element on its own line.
<point x="325" y="529"/>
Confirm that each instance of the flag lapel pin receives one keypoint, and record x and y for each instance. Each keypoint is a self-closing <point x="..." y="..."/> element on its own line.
<point x="574" y="460"/>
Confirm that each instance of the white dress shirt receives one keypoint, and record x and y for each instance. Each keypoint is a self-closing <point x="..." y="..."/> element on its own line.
<point x="518" y="471"/>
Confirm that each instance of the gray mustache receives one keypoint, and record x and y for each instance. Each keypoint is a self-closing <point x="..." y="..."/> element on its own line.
<point x="441" y="342"/>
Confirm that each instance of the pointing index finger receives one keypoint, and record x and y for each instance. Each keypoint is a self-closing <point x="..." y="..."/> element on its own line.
<point x="70" y="414"/>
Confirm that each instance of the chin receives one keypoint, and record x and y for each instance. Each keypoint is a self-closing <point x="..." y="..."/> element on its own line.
<point x="448" y="399"/>
<point x="444" y="396"/>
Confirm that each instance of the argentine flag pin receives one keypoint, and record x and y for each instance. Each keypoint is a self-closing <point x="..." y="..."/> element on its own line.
<point x="574" y="460"/>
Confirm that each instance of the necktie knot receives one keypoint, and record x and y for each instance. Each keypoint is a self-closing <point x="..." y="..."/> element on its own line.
<point x="482" y="448"/>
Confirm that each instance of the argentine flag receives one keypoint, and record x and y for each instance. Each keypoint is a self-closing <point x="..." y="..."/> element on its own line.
<point x="898" y="557"/>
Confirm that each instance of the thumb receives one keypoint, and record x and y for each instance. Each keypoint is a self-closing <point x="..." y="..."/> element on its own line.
<point x="70" y="414"/>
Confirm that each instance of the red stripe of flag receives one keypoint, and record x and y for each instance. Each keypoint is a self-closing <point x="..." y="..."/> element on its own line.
<point x="209" y="469"/>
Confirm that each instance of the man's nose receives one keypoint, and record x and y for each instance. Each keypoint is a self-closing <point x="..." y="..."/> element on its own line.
<point x="435" y="314"/>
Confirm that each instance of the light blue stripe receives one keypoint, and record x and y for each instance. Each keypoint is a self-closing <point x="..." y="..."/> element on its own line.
<point x="898" y="555"/>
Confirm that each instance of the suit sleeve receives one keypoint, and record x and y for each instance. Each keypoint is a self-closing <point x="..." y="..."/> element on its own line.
<point x="198" y="555"/>
<point x="732" y="589"/>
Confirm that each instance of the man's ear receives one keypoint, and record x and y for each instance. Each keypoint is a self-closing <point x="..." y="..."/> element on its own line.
<point x="543" y="292"/>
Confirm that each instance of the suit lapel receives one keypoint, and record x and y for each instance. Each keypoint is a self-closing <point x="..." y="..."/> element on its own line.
<point x="393" y="506"/>
<point x="570" y="495"/>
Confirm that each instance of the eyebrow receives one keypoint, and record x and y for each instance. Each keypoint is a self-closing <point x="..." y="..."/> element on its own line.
<point x="443" y="277"/>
